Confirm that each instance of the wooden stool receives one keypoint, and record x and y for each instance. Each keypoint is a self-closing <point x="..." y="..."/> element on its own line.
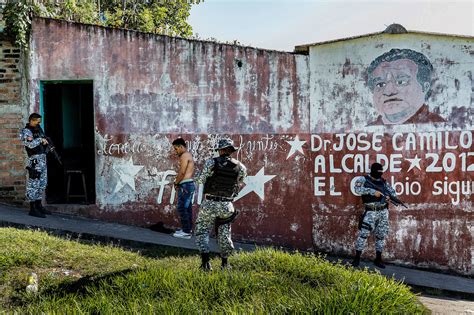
<point x="69" y="174"/>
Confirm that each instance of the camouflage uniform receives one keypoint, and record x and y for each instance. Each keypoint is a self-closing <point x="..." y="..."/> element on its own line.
<point x="375" y="221"/>
<point x="210" y="210"/>
<point x="35" y="187"/>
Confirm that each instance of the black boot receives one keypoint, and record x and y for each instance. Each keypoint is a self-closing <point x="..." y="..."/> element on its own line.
<point x="378" y="260"/>
<point x="205" y="264"/>
<point x="34" y="211"/>
<point x="356" y="261"/>
<point x="40" y="207"/>
<point x="225" y="263"/>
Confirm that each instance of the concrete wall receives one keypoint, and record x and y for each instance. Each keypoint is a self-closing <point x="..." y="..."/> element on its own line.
<point x="430" y="156"/>
<point x="150" y="89"/>
<point x="277" y="106"/>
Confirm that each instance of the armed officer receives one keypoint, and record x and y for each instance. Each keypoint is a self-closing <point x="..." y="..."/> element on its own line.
<point x="221" y="177"/>
<point x="375" y="193"/>
<point x="35" y="142"/>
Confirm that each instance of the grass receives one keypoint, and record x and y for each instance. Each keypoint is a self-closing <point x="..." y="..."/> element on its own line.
<point x="83" y="278"/>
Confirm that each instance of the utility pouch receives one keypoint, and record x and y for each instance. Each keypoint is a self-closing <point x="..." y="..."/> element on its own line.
<point x="32" y="173"/>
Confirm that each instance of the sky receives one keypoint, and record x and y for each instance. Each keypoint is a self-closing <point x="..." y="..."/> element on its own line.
<point x="284" y="24"/>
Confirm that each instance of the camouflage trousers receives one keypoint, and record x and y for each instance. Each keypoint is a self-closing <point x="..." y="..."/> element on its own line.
<point x="208" y="212"/>
<point x="374" y="222"/>
<point x="35" y="187"/>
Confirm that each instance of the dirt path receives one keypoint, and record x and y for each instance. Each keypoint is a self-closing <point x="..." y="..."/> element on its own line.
<point x="444" y="305"/>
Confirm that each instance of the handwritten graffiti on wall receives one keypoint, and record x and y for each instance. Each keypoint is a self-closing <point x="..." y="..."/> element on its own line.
<point x="428" y="164"/>
<point x="265" y="143"/>
<point x="415" y="156"/>
<point x="136" y="162"/>
<point x="108" y="147"/>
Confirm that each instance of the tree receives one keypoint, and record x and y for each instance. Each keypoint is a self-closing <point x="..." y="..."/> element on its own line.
<point x="167" y="17"/>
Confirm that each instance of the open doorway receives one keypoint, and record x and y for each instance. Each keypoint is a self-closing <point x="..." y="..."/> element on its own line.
<point x="68" y="112"/>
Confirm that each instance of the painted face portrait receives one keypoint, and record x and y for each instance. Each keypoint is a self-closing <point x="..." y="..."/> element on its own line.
<point x="397" y="94"/>
<point x="400" y="81"/>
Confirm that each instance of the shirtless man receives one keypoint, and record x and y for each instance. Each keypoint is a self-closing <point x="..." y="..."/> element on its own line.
<point x="184" y="184"/>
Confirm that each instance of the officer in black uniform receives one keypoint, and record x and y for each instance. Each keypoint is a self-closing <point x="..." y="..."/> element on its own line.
<point x="221" y="177"/>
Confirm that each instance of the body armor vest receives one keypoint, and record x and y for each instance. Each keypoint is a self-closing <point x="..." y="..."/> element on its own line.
<point x="374" y="184"/>
<point x="37" y="133"/>
<point x="224" y="180"/>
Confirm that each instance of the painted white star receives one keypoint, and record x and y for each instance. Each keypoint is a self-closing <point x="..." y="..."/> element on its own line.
<point x="256" y="184"/>
<point x="296" y="145"/>
<point x="414" y="162"/>
<point x="126" y="171"/>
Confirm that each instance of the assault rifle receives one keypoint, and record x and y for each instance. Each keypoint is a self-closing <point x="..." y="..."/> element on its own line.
<point x="393" y="199"/>
<point x="50" y="148"/>
<point x="386" y="194"/>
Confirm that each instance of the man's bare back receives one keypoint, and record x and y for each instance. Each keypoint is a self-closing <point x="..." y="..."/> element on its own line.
<point x="186" y="167"/>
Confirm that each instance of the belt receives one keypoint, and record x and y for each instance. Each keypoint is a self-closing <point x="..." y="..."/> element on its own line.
<point x="375" y="207"/>
<point x="222" y="199"/>
<point x="184" y="181"/>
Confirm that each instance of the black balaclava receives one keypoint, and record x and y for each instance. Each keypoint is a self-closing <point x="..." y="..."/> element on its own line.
<point x="376" y="170"/>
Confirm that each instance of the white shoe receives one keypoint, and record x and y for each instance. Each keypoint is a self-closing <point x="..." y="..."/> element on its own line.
<point x="181" y="234"/>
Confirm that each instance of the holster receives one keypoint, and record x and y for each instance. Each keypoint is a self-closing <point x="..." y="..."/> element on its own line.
<point x="32" y="173"/>
<point x="361" y="220"/>
<point x="220" y="221"/>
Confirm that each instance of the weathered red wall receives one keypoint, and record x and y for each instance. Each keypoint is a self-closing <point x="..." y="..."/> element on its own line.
<point x="435" y="228"/>
<point x="150" y="89"/>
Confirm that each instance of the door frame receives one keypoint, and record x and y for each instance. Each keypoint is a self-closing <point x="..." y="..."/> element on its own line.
<point x="42" y="85"/>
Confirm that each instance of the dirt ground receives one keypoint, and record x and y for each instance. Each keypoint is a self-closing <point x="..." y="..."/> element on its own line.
<point x="447" y="305"/>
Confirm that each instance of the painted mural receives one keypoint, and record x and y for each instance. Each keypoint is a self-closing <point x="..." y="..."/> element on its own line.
<point x="400" y="81"/>
<point x="407" y="105"/>
<point x="306" y="127"/>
